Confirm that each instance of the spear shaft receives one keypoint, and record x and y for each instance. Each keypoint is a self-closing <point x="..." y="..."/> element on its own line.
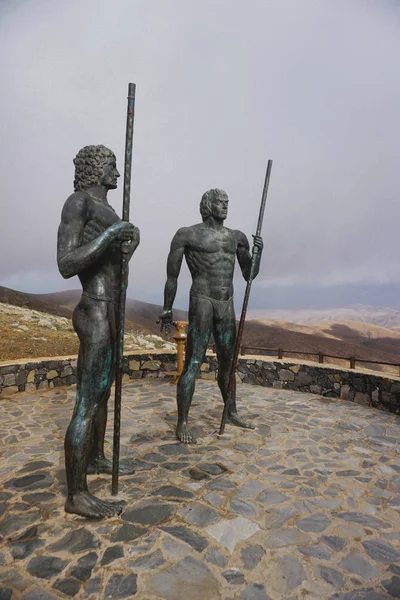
<point x="239" y="336"/>
<point x="123" y="285"/>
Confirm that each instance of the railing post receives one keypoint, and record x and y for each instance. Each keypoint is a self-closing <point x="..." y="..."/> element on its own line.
<point x="280" y="353"/>
<point x="242" y="349"/>
<point x="320" y="358"/>
<point x="352" y="362"/>
<point x="180" y="339"/>
<point x="214" y="348"/>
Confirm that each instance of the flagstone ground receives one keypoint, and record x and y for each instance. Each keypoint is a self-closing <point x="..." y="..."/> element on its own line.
<point x="306" y="506"/>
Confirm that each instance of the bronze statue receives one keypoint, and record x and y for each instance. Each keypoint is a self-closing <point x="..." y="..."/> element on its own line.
<point x="210" y="250"/>
<point x="89" y="245"/>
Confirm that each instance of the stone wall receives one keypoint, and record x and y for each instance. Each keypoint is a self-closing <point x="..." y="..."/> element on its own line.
<point x="347" y="384"/>
<point x="24" y="376"/>
<point x="361" y="387"/>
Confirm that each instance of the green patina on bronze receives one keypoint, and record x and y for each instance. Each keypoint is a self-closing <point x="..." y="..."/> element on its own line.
<point x="90" y="237"/>
<point x="210" y="250"/>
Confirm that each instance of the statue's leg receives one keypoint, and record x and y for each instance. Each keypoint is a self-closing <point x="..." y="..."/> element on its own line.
<point x="199" y="331"/>
<point x="98" y="462"/>
<point x="94" y="362"/>
<point x="225" y="337"/>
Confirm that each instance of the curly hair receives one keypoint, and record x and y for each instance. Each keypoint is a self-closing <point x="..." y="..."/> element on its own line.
<point x="89" y="164"/>
<point x="207" y="198"/>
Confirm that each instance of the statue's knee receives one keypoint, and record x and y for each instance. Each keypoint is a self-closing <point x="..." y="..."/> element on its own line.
<point x="194" y="367"/>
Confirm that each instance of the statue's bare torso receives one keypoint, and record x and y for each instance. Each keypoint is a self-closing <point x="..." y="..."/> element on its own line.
<point x="91" y="218"/>
<point x="210" y="256"/>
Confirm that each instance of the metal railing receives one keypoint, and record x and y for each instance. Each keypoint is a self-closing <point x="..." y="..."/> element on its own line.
<point x="279" y="353"/>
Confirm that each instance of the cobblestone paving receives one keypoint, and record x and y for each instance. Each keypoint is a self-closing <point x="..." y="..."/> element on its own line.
<point x="305" y="506"/>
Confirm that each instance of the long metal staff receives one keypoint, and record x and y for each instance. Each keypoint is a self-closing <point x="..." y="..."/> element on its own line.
<point x="245" y="301"/>
<point x="123" y="285"/>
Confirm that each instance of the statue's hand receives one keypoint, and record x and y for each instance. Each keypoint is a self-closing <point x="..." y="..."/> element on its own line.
<point x="121" y="231"/>
<point x="166" y="321"/>
<point x="258" y="242"/>
<point x="129" y="247"/>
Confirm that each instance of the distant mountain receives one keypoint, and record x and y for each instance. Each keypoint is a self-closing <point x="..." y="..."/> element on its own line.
<point x="377" y="315"/>
<point x="140" y="316"/>
<point x="33" y="301"/>
<point x="310" y="331"/>
<point x="342" y="339"/>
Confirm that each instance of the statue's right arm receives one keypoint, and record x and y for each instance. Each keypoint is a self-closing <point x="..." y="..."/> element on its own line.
<point x="174" y="264"/>
<point x="72" y="256"/>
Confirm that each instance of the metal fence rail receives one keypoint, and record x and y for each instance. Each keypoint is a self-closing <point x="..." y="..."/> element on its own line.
<point x="279" y="353"/>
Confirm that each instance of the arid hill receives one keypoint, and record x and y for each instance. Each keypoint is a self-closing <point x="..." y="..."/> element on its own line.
<point x="340" y="337"/>
<point x="33" y="301"/>
<point x="28" y="333"/>
<point x="140" y="316"/>
<point x="376" y="315"/>
<point x="41" y="325"/>
<point x="343" y="339"/>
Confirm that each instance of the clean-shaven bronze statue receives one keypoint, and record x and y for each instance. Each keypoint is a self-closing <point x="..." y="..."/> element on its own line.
<point x="210" y="250"/>
<point x="89" y="245"/>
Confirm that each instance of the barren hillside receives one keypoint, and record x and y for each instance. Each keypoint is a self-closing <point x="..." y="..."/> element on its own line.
<point x="28" y="333"/>
<point x="376" y="315"/>
<point x="343" y="339"/>
<point x="40" y="325"/>
<point x="140" y="316"/>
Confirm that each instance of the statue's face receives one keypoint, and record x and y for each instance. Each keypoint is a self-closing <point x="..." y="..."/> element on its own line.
<point x="219" y="206"/>
<point x="110" y="174"/>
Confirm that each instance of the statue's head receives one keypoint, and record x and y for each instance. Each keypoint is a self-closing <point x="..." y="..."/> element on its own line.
<point x="95" y="165"/>
<point x="215" y="203"/>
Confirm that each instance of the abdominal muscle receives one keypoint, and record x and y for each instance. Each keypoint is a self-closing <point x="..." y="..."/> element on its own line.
<point x="212" y="273"/>
<point x="102" y="283"/>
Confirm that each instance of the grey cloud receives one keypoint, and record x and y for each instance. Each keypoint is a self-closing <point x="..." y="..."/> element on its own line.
<point x="221" y="87"/>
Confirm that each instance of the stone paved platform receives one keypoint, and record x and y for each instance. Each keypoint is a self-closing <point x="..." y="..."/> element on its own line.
<point x="306" y="506"/>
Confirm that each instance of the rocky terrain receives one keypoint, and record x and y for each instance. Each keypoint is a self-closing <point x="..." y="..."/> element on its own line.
<point x="40" y="325"/>
<point x="25" y="333"/>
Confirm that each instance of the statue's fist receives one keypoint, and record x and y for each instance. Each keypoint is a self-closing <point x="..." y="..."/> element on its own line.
<point x="121" y="231"/>
<point x="129" y="246"/>
<point x="258" y="242"/>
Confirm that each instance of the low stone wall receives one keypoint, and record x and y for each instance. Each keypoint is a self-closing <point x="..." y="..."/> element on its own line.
<point x="37" y="375"/>
<point x="356" y="386"/>
<point x="360" y="387"/>
<point x="24" y="376"/>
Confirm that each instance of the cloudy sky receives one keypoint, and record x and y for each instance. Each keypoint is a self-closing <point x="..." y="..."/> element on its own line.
<point x="222" y="85"/>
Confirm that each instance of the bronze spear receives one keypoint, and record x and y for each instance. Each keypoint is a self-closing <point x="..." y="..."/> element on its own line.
<point x="123" y="285"/>
<point x="245" y="301"/>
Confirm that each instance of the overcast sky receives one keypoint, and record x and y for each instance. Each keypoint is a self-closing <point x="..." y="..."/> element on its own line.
<point x="222" y="86"/>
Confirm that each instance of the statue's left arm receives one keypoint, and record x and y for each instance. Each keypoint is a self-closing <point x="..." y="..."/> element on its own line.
<point x="244" y="256"/>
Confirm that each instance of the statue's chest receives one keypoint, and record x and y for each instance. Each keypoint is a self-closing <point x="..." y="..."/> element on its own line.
<point x="100" y="218"/>
<point x="214" y="243"/>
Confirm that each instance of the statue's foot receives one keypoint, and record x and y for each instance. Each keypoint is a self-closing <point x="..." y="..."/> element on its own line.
<point x="234" y="419"/>
<point x="86" y="505"/>
<point x="183" y="434"/>
<point x="102" y="465"/>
